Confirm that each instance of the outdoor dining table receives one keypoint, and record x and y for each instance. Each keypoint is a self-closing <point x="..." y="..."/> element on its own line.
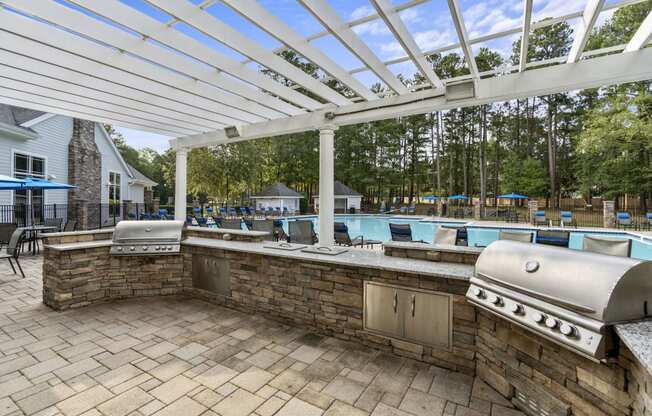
<point x="35" y="229"/>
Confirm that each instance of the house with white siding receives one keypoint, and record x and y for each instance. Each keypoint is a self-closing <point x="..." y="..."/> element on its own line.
<point x="44" y="145"/>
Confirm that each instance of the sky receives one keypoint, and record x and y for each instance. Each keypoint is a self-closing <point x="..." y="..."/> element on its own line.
<point x="430" y="24"/>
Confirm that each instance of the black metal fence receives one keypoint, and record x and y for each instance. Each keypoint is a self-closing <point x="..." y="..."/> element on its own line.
<point x="84" y="215"/>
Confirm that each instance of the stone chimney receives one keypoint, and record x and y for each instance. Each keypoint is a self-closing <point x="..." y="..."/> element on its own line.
<point x="85" y="172"/>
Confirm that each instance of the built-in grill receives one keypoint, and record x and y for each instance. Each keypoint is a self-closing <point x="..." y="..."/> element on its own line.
<point x="147" y="238"/>
<point x="570" y="297"/>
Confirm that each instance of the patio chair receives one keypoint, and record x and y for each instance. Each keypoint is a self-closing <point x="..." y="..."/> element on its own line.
<point x="343" y="238"/>
<point x="279" y="231"/>
<point x="264" y="225"/>
<point x="277" y="211"/>
<point x="243" y="211"/>
<point x="286" y="212"/>
<point x="526" y="237"/>
<point x="461" y="238"/>
<point x="302" y="232"/>
<point x="13" y="250"/>
<point x="222" y="212"/>
<point x="202" y="221"/>
<point x="624" y="220"/>
<point x="611" y="246"/>
<point x="445" y="236"/>
<point x="553" y="238"/>
<point x="402" y="232"/>
<point x="566" y="219"/>
<point x="648" y="224"/>
<point x="71" y="225"/>
<point x="232" y="212"/>
<point x="411" y="210"/>
<point x="145" y="216"/>
<point x="231" y="224"/>
<point x="6" y="231"/>
<point x="54" y="222"/>
<point x="403" y="210"/>
<point x="540" y="219"/>
<point x="217" y="220"/>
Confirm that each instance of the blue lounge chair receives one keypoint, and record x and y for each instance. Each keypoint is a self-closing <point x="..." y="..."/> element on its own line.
<point x="540" y="219"/>
<point x="189" y="220"/>
<point x="412" y="210"/>
<point x="223" y="211"/>
<point x="285" y="211"/>
<point x="232" y="212"/>
<point x="243" y="211"/>
<point x="624" y="220"/>
<point x="553" y="238"/>
<point x="402" y="232"/>
<point x="156" y="217"/>
<point x="302" y="232"/>
<point x="566" y="219"/>
<point x="202" y="221"/>
<point x="648" y="216"/>
<point x="343" y="238"/>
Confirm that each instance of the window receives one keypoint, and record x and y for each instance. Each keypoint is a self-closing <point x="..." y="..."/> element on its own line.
<point x="28" y="166"/>
<point x="114" y="194"/>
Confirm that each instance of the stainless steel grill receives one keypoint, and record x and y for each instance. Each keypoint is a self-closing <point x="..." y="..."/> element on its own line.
<point x="570" y="297"/>
<point x="147" y="238"/>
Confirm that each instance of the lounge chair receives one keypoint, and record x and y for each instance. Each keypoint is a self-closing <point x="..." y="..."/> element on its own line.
<point x="302" y="232"/>
<point x="343" y="238"/>
<point x="553" y="238"/>
<point x="411" y="210"/>
<point x="648" y="224"/>
<point x="445" y="236"/>
<point x="402" y="232"/>
<point x="461" y="238"/>
<point x="243" y="211"/>
<point x="222" y="212"/>
<point x="232" y="212"/>
<point x="231" y="224"/>
<point x="202" y="221"/>
<point x="526" y="237"/>
<point x="71" y="225"/>
<point x="566" y="219"/>
<point x="264" y="225"/>
<point x="54" y="222"/>
<point x="279" y="232"/>
<point x="13" y="250"/>
<point x="286" y="212"/>
<point x="189" y="220"/>
<point x="624" y="220"/>
<point x="218" y="221"/>
<point x="611" y="246"/>
<point x="540" y="219"/>
<point x="403" y="210"/>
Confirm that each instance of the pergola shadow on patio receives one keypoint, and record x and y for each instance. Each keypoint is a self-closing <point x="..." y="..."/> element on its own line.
<point x="171" y="356"/>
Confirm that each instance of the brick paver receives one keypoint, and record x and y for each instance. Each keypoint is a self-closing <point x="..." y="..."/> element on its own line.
<point x="176" y="356"/>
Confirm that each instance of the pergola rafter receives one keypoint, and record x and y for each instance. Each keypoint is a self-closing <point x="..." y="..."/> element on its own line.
<point x="458" y="21"/>
<point x="275" y="27"/>
<point x="525" y="34"/>
<point x="642" y="35"/>
<point x="583" y="28"/>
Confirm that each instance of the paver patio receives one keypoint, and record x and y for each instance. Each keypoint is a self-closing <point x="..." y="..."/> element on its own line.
<point x="172" y="356"/>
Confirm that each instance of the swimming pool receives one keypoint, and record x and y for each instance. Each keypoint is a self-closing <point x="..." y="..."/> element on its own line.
<point x="375" y="227"/>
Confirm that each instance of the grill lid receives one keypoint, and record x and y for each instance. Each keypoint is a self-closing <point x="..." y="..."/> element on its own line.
<point x="127" y="232"/>
<point x="607" y="288"/>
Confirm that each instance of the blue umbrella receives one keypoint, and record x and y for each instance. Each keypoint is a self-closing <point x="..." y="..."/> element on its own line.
<point x="454" y="197"/>
<point x="513" y="196"/>
<point x="8" y="179"/>
<point x="33" y="183"/>
<point x="430" y="198"/>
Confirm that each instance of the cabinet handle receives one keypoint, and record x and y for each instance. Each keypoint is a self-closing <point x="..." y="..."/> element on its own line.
<point x="395" y="303"/>
<point x="414" y="301"/>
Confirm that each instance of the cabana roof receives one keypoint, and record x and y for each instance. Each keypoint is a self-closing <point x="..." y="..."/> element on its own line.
<point x="342" y="191"/>
<point x="277" y="190"/>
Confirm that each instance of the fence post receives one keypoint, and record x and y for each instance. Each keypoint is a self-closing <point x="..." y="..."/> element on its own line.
<point x="609" y="214"/>
<point x="532" y="208"/>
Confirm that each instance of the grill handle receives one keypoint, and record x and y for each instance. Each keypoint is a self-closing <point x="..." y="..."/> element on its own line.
<point x="413" y="306"/>
<point x="395" y="302"/>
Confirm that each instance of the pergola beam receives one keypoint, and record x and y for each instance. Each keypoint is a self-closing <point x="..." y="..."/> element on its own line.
<point x="266" y="21"/>
<point x="172" y="38"/>
<point x="642" y="35"/>
<point x="50" y="75"/>
<point x="329" y="18"/>
<point x="525" y="34"/>
<point x="403" y="36"/>
<point x="594" y="73"/>
<point x="218" y="30"/>
<point x="583" y="28"/>
<point x="458" y="20"/>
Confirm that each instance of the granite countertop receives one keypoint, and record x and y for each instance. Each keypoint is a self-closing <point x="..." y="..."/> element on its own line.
<point x="638" y="338"/>
<point x="228" y="231"/>
<point x="80" y="245"/>
<point x="433" y="247"/>
<point x="354" y="257"/>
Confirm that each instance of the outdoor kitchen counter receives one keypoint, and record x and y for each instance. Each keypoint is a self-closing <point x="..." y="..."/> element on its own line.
<point x="354" y="257"/>
<point x="637" y="336"/>
<point x="81" y="245"/>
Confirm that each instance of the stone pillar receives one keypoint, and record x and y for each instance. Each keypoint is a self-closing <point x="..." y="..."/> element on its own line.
<point x="156" y="205"/>
<point x="477" y="210"/>
<point x="326" y="185"/>
<point x="609" y="214"/>
<point x="532" y="208"/>
<point x="85" y="172"/>
<point x="181" y="185"/>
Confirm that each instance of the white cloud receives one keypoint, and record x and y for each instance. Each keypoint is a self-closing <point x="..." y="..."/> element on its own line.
<point x="426" y="40"/>
<point x="556" y="8"/>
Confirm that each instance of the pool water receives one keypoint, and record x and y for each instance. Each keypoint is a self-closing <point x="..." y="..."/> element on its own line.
<point x="374" y="227"/>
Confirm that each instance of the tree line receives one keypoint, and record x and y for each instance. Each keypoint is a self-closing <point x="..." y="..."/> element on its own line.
<point x="595" y="142"/>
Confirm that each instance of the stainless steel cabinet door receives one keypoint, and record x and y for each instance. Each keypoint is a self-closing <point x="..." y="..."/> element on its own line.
<point x="381" y="309"/>
<point x="427" y="318"/>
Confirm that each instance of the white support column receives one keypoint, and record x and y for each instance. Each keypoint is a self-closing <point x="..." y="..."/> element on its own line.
<point x="326" y="185"/>
<point x="181" y="185"/>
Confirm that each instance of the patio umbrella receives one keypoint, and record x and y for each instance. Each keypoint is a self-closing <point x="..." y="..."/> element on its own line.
<point x="430" y="198"/>
<point x="33" y="184"/>
<point x="8" y="179"/>
<point x="513" y="196"/>
<point x="458" y="197"/>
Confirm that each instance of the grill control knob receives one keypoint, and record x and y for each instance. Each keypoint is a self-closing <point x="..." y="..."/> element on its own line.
<point x="132" y="248"/>
<point x="552" y="323"/>
<point x="157" y="248"/>
<point x="568" y="330"/>
<point x="478" y="292"/>
<point x="496" y="300"/>
<point x="538" y="317"/>
<point x="145" y="248"/>
<point x="119" y="249"/>
<point x="517" y="308"/>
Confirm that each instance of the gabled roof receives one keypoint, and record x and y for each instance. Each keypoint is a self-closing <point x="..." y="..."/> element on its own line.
<point x="139" y="177"/>
<point x="277" y="190"/>
<point x="12" y="118"/>
<point x="342" y="190"/>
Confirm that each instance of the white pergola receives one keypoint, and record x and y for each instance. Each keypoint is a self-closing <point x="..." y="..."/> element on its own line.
<point x="104" y="61"/>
